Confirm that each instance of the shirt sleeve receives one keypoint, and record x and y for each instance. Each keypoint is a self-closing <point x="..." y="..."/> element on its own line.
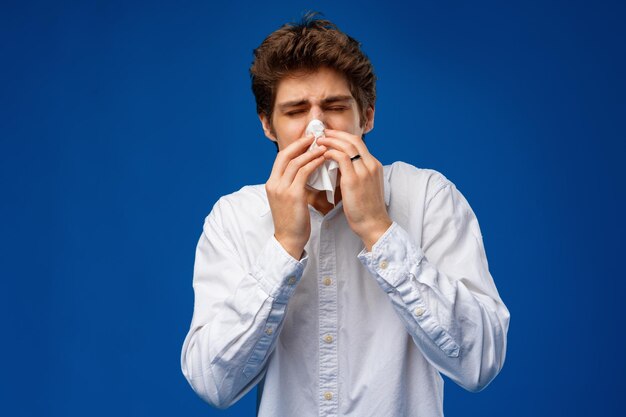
<point x="443" y="291"/>
<point x="238" y="314"/>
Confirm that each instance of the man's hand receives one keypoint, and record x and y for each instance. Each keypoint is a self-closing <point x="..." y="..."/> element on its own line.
<point x="287" y="194"/>
<point x="361" y="185"/>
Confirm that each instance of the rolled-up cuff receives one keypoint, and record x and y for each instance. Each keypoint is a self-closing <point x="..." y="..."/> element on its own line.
<point x="277" y="272"/>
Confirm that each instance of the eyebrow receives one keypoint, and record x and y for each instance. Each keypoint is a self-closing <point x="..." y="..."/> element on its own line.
<point x="327" y="100"/>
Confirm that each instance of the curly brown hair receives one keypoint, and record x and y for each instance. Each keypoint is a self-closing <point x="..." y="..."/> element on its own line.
<point x="306" y="46"/>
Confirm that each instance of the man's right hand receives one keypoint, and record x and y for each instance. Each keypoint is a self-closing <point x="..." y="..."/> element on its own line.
<point x="287" y="194"/>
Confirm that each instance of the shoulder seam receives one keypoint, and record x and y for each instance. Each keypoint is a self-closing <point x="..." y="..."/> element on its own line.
<point x="443" y="185"/>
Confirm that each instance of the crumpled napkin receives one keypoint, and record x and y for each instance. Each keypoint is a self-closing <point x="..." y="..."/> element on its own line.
<point x="323" y="178"/>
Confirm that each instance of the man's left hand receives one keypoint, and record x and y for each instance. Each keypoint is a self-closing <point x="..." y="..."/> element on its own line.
<point x="361" y="185"/>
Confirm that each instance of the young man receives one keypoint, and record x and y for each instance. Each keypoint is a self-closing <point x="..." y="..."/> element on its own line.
<point x="352" y="308"/>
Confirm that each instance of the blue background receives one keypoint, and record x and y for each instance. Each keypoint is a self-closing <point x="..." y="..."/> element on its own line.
<point x="121" y="123"/>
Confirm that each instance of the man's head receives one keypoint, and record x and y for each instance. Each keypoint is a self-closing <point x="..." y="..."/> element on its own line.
<point x="298" y="51"/>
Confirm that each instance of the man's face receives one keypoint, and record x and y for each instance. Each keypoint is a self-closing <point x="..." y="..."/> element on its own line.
<point x="302" y="97"/>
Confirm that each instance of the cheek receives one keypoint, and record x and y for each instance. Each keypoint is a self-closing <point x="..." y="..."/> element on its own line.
<point x="291" y="130"/>
<point x="345" y="122"/>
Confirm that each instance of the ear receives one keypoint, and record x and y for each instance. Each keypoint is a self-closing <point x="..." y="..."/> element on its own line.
<point x="265" y="122"/>
<point x="369" y="120"/>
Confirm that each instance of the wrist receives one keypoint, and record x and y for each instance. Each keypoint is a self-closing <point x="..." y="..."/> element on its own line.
<point x="295" y="250"/>
<point x="375" y="232"/>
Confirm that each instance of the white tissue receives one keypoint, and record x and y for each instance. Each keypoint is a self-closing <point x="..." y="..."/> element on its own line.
<point x="323" y="178"/>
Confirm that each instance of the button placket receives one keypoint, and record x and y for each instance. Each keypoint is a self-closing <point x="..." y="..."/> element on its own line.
<point x="328" y="358"/>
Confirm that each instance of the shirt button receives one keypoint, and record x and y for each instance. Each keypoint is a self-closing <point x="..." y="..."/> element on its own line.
<point x="328" y="396"/>
<point x="328" y="338"/>
<point x="327" y="281"/>
<point x="383" y="264"/>
<point x="419" y="311"/>
<point x="291" y="280"/>
<point x="269" y="331"/>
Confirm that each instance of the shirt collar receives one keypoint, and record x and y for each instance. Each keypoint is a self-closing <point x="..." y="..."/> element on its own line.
<point x="386" y="190"/>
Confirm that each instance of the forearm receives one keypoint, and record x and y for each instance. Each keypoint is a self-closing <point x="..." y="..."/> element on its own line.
<point x="220" y="363"/>
<point x="459" y="324"/>
<point x="229" y="342"/>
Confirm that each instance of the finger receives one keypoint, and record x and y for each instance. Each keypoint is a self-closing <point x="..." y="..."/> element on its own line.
<point x="367" y="159"/>
<point x="294" y="149"/>
<point x="348" y="149"/>
<point x="340" y="145"/>
<point x="297" y="163"/>
<point x="305" y="172"/>
<point x="356" y="141"/>
<point x="345" y="165"/>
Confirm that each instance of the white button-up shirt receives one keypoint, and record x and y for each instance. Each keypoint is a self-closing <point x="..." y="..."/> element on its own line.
<point x="343" y="331"/>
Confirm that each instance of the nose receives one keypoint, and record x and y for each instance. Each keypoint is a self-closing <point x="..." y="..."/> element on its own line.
<point x="317" y="113"/>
